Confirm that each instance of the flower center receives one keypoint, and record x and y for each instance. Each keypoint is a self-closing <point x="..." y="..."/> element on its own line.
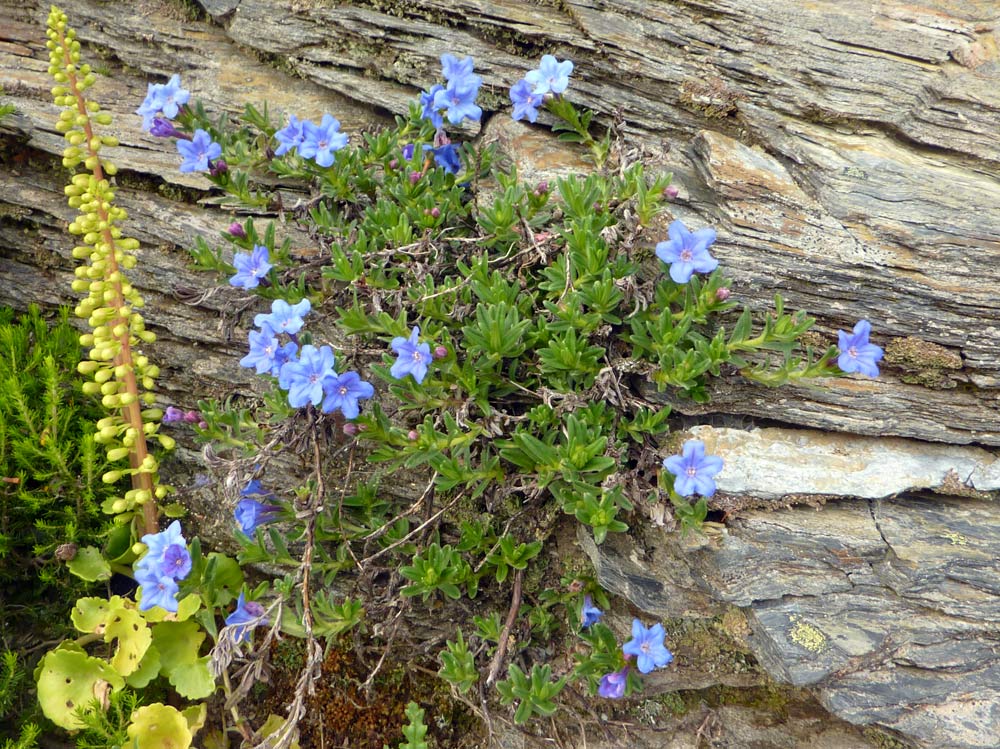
<point x="417" y="357"/>
<point x="691" y="471"/>
<point x="686" y="255"/>
<point x="853" y="352"/>
<point x="314" y="378"/>
<point x="323" y="144"/>
<point x="343" y="390"/>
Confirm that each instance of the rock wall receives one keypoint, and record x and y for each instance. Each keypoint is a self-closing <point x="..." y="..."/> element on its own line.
<point x="846" y="151"/>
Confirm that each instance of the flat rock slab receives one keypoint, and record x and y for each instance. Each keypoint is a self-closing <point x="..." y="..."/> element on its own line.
<point x="888" y="609"/>
<point x="777" y="463"/>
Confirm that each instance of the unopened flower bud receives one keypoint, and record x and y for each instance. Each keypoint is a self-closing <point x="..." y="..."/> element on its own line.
<point x="172" y="414"/>
<point x="440" y="352"/>
<point x="65" y="552"/>
<point x="412" y="436"/>
<point x="722" y="294"/>
<point x="218" y="167"/>
<point x="162" y="128"/>
<point x="542" y="188"/>
<point x="394" y="164"/>
<point x="414" y="177"/>
<point x="350" y="429"/>
<point x="435" y="212"/>
<point x="236" y="230"/>
<point x="203" y="425"/>
<point x="192" y="417"/>
<point x="671" y="191"/>
<point x="576" y="586"/>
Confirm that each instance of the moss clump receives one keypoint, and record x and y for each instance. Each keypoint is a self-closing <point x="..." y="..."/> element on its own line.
<point x="923" y="363"/>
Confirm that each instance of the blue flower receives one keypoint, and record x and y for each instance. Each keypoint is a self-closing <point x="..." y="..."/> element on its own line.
<point x="525" y="102"/>
<point x="158" y="544"/>
<point x="856" y="353"/>
<point x="694" y="470"/>
<point x="284" y="317"/>
<point x="250" y="513"/>
<point x="446" y="157"/>
<point x="263" y="351"/>
<point x="250" y="267"/>
<point x="157" y="591"/>
<point x="413" y="356"/>
<point x="647" y="647"/>
<point x="452" y="67"/>
<point x="344" y="391"/>
<point x="166" y="561"/>
<point x="551" y="76"/>
<point x="247" y="613"/>
<point x="198" y="151"/>
<point x="320" y="141"/>
<point x="161" y="97"/>
<point x="303" y="379"/>
<point x="687" y="252"/>
<point x="290" y="137"/>
<point x="613" y="685"/>
<point x="171" y="96"/>
<point x="427" y="101"/>
<point x="459" y="98"/>
<point x="590" y="613"/>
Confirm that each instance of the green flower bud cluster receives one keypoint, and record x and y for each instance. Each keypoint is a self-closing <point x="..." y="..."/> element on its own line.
<point x="120" y="374"/>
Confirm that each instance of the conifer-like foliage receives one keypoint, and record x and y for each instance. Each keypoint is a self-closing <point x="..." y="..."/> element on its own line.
<point x="50" y="471"/>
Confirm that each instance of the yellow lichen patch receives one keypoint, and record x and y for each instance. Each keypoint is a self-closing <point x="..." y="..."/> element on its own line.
<point x="807" y="636"/>
<point x="957" y="539"/>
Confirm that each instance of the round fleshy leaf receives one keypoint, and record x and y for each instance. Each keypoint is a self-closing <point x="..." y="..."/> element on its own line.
<point x="193" y="680"/>
<point x="149" y="669"/>
<point x="134" y="638"/>
<point x="159" y="727"/>
<point x="69" y="679"/>
<point x="196" y="716"/>
<point x="90" y="565"/>
<point x="90" y="614"/>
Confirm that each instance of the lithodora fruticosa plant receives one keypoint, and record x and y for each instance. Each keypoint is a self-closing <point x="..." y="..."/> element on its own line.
<point x="505" y="325"/>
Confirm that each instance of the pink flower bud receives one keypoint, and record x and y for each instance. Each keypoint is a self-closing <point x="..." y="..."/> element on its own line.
<point x="414" y="177"/>
<point x="412" y="436"/>
<point x="350" y="429"/>
<point x="440" y="352"/>
<point x="671" y="192"/>
<point x="394" y="164"/>
<point x="722" y="294"/>
<point x="236" y="230"/>
<point x="542" y="188"/>
<point x="435" y="212"/>
<point x="203" y="425"/>
<point x="192" y="417"/>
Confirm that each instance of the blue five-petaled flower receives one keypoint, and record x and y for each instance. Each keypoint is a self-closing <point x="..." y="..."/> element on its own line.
<point x="162" y="97"/>
<point x="525" y="101"/>
<point x="694" y="470"/>
<point x="198" y="152"/>
<point x="284" y="317"/>
<point x="857" y="354"/>
<point x="320" y="141"/>
<point x="551" y="76"/>
<point x="647" y="647"/>
<point x="290" y="136"/>
<point x="251" y="267"/>
<point x="413" y="356"/>
<point x="343" y="392"/>
<point x="303" y="379"/>
<point x="167" y="561"/>
<point x="687" y="252"/>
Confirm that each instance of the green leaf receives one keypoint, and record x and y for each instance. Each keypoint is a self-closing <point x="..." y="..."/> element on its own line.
<point x="134" y="638"/>
<point x="193" y="680"/>
<point x="159" y="726"/>
<point x="71" y="679"/>
<point x="90" y="565"/>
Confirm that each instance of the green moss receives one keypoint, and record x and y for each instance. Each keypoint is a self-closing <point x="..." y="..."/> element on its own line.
<point x="923" y="363"/>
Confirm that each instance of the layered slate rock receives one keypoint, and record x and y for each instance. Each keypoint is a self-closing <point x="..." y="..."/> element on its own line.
<point x="846" y="152"/>
<point x="889" y="609"/>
